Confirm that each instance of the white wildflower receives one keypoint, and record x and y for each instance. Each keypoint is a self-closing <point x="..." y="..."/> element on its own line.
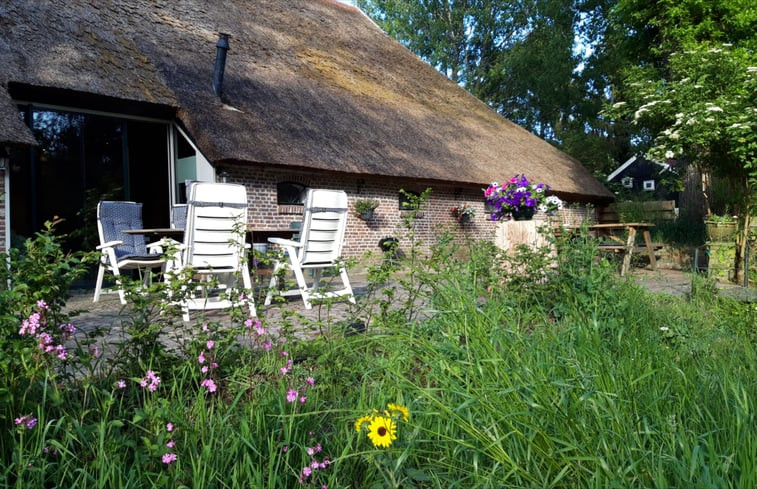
<point x="664" y="328"/>
<point x="669" y="154"/>
<point x="714" y="108"/>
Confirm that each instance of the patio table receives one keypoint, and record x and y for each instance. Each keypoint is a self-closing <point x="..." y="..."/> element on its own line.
<point x="628" y="245"/>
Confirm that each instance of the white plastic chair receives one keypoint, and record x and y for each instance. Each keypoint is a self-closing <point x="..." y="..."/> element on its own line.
<point x="121" y="251"/>
<point x="214" y="247"/>
<point x="319" y="247"/>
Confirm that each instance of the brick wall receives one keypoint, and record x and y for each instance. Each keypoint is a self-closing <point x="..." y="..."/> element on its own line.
<point x="3" y="245"/>
<point x="363" y="236"/>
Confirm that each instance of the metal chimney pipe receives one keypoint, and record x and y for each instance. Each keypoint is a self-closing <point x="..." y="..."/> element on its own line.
<point x="222" y="46"/>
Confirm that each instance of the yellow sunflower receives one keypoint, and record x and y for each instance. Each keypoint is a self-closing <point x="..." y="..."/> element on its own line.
<point x="398" y="408"/>
<point x="363" y="419"/>
<point x="382" y="431"/>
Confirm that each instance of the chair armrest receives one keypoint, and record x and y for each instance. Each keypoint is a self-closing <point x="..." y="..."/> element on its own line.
<point x="285" y="242"/>
<point x="109" y="244"/>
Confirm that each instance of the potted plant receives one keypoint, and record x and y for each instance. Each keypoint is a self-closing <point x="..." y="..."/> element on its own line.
<point x="364" y="208"/>
<point x="520" y="199"/>
<point x="721" y="228"/>
<point x="463" y="213"/>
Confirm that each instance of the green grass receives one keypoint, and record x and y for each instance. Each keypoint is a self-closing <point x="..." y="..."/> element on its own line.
<point x="561" y="375"/>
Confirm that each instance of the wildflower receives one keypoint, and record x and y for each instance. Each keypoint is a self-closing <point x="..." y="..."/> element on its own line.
<point x="361" y="420"/>
<point x="201" y="358"/>
<point x="310" y="451"/>
<point x="303" y="399"/>
<point x="42" y="305"/>
<point x="169" y="427"/>
<point x="170" y="444"/>
<point x="169" y="458"/>
<point x="397" y="408"/>
<point x="382" y="431"/>
<point x="314" y="465"/>
<point x="121" y="384"/>
<point x="204" y="369"/>
<point x="210" y="344"/>
<point x="95" y="351"/>
<point x="267" y="345"/>
<point x="150" y="381"/>
<point x="664" y="328"/>
<point x="306" y="471"/>
<point x="318" y="448"/>
<point x="210" y="385"/>
<point x="285" y="448"/>
<point x="310" y="381"/>
<point x="29" y="421"/>
<point x="291" y="395"/>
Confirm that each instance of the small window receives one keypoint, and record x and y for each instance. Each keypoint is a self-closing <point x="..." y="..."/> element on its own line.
<point x="290" y="193"/>
<point x="648" y="184"/>
<point x="627" y="182"/>
<point x="404" y="201"/>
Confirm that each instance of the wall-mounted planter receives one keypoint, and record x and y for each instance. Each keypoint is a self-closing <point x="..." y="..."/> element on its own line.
<point x="366" y="215"/>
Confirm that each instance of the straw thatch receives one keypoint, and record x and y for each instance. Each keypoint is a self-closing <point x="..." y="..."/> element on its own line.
<point x="309" y="84"/>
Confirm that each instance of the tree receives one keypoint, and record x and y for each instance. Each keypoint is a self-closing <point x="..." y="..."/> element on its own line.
<point x="692" y="95"/>
<point x="521" y="57"/>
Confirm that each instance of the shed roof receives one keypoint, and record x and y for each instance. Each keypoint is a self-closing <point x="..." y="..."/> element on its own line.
<point x="309" y="83"/>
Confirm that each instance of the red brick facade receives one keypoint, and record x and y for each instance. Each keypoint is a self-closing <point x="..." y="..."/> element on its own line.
<point x="3" y="220"/>
<point x="362" y="236"/>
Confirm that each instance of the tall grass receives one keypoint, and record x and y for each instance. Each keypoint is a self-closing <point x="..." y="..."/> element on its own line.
<point x="524" y="371"/>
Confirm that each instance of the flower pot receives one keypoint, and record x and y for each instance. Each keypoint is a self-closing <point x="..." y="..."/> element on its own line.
<point x="366" y="215"/>
<point x="720" y="231"/>
<point x="523" y="214"/>
<point x="464" y="219"/>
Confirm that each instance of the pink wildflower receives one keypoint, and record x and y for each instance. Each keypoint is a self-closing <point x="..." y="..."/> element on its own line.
<point x="314" y="465"/>
<point x="29" y="421"/>
<point x="169" y="458"/>
<point x="201" y="358"/>
<point x="170" y="444"/>
<point x="318" y="448"/>
<point x="210" y="385"/>
<point x="311" y="451"/>
<point x="169" y="427"/>
<point x="291" y="395"/>
<point x="310" y="381"/>
<point x="267" y="345"/>
<point x="285" y="448"/>
<point x="121" y="384"/>
<point x="303" y="399"/>
<point x="204" y="369"/>
<point x="210" y="344"/>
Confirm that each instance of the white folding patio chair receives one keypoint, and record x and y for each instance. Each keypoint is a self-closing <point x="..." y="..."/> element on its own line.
<point x="319" y="248"/>
<point x="214" y="247"/>
<point x="121" y="251"/>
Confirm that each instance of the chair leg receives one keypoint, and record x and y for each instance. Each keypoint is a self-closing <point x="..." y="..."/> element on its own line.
<point x="99" y="283"/>
<point x="347" y="286"/>
<point x="247" y="281"/>
<point x="120" y="285"/>
<point x="302" y="285"/>
<point x="274" y="283"/>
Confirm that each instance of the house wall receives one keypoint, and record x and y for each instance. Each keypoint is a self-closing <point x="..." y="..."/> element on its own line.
<point x="362" y="236"/>
<point x="3" y="205"/>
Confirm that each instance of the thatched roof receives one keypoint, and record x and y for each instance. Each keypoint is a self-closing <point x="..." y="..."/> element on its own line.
<point x="309" y="84"/>
<point x="12" y="129"/>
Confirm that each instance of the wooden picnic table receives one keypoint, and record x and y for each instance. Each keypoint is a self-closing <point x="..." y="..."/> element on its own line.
<point x="626" y="244"/>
